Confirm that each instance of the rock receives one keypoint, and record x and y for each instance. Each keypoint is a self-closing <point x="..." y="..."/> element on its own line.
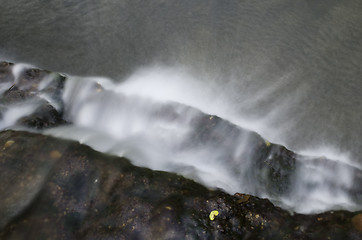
<point x="271" y="166"/>
<point x="37" y="90"/>
<point x="45" y="116"/>
<point x="272" y="169"/>
<point x="60" y="189"/>
<point x="5" y="73"/>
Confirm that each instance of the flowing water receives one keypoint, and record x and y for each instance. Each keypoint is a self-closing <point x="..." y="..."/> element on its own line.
<point x="289" y="70"/>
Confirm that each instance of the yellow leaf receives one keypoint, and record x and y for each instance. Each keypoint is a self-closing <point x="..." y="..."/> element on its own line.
<point x="8" y="144"/>
<point x="213" y="214"/>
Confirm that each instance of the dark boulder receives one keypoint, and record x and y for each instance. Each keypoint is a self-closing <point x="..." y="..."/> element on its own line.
<point x="59" y="189"/>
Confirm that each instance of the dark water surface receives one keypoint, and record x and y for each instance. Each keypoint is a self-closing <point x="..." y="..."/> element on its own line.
<point x="291" y="67"/>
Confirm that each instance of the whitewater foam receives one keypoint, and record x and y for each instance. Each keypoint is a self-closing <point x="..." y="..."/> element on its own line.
<point x="147" y="118"/>
<point x="152" y="118"/>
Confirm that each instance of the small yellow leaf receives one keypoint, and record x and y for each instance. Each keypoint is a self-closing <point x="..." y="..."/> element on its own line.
<point x="267" y="143"/>
<point x="8" y="144"/>
<point x="213" y="214"/>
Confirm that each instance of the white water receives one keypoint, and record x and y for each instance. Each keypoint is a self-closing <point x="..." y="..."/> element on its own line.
<point x="152" y="118"/>
<point x="142" y="119"/>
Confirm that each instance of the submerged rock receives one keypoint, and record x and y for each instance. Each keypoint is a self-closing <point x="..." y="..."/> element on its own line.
<point x="60" y="189"/>
<point x="273" y="170"/>
<point x="30" y="97"/>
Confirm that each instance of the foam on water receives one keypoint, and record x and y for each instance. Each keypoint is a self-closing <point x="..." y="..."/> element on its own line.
<point x="178" y="85"/>
<point x="16" y="112"/>
<point x="17" y="69"/>
<point x="147" y="118"/>
<point x="153" y="118"/>
<point x="332" y="153"/>
<point x="4" y="87"/>
<point x="10" y="113"/>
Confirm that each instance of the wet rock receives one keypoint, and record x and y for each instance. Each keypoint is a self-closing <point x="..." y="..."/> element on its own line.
<point x="6" y="73"/>
<point x="272" y="169"/>
<point x="45" y="116"/>
<point x="35" y="92"/>
<point x="59" y="189"/>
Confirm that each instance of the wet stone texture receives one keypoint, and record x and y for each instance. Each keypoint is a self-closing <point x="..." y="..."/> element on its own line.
<point x="6" y="73"/>
<point x="272" y="169"/>
<point x="59" y="189"/>
<point x="34" y="89"/>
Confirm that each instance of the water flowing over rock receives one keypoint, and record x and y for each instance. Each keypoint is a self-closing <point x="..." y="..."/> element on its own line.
<point x="53" y="188"/>
<point x="30" y="97"/>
